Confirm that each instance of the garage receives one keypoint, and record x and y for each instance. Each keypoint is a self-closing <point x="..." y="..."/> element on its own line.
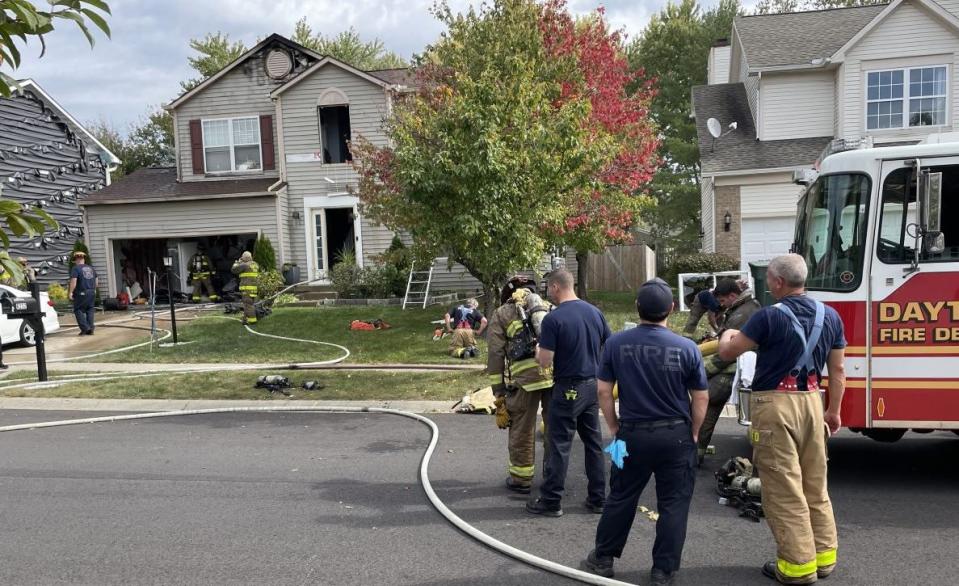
<point x="765" y="238"/>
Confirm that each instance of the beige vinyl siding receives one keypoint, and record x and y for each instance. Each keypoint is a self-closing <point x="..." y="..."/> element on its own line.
<point x="772" y="200"/>
<point x="909" y="36"/>
<point x="707" y="212"/>
<point x="301" y="135"/>
<point x="718" y="65"/>
<point x="245" y="91"/>
<point x="283" y="216"/>
<point x="839" y="80"/>
<point x="752" y="96"/>
<point x="950" y="6"/>
<point x="798" y="105"/>
<point x="737" y="63"/>
<point x="181" y="219"/>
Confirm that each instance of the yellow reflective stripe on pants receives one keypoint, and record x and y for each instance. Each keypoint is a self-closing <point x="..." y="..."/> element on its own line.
<point x="539" y="386"/>
<point x="826" y="558"/>
<point x="249" y="275"/>
<point x="791" y="570"/>
<point x="523" y="365"/>
<point x="495" y="379"/>
<point x="251" y="320"/>
<point x="525" y="472"/>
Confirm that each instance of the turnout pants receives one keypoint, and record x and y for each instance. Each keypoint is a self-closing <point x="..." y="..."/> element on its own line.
<point x="696" y="313"/>
<point x="789" y="450"/>
<point x="663" y="448"/>
<point x="202" y="285"/>
<point x="249" y="309"/>
<point x="720" y="389"/>
<point x="522" y="406"/>
<point x="573" y="408"/>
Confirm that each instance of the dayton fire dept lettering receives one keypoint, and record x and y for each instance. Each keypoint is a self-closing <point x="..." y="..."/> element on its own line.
<point x="941" y="317"/>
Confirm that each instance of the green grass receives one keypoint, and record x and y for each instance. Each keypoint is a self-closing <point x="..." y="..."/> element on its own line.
<point x="408" y="341"/>
<point x="28" y="374"/>
<point x="339" y="385"/>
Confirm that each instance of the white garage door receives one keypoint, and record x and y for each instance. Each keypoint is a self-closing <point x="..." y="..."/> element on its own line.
<point x="764" y="238"/>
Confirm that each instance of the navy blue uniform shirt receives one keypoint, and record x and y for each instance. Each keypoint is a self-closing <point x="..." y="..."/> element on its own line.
<point x="655" y="370"/>
<point x="709" y="301"/>
<point x="575" y="332"/>
<point x="779" y="348"/>
<point x="86" y="277"/>
<point x="464" y="313"/>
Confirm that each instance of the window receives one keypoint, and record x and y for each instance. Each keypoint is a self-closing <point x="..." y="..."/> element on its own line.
<point x="831" y="231"/>
<point x="335" y="133"/>
<point x="919" y="93"/>
<point x="899" y="217"/>
<point x="232" y="144"/>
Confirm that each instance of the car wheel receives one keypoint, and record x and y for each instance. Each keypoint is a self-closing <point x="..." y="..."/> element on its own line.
<point x="28" y="336"/>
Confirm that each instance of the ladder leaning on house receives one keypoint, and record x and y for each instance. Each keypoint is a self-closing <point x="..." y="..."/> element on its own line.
<point x="418" y="287"/>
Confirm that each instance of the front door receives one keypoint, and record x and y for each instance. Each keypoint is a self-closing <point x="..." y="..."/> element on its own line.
<point x="334" y="238"/>
<point x="320" y="268"/>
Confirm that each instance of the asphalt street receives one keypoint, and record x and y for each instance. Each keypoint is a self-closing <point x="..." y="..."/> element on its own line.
<point x="335" y="499"/>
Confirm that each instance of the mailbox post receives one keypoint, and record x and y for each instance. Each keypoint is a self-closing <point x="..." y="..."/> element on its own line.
<point x="29" y="310"/>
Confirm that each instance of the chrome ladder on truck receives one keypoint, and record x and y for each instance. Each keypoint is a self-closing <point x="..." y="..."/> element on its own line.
<point x="418" y="287"/>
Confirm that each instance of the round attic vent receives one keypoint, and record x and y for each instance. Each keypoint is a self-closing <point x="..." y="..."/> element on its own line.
<point x="279" y="64"/>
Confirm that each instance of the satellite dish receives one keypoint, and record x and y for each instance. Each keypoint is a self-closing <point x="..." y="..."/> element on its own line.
<point x="714" y="127"/>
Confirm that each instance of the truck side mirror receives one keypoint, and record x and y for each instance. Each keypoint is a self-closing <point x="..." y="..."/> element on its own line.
<point x="930" y="212"/>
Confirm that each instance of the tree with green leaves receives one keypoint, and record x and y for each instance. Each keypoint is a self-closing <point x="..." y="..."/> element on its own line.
<point x="674" y="49"/>
<point x="215" y="52"/>
<point x="348" y="47"/>
<point x="781" y="6"/>
<point x="482" y="159"/>
<point x="24" y="21"/>
<point x="263" y="253"/>
<point x="147" y="144"/>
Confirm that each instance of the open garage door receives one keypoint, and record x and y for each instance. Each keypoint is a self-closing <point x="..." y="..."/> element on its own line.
<point x="765" y="238"/>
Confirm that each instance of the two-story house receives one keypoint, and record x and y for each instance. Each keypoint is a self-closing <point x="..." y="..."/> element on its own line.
<point x="792" y="83"/>
<point x="262" y="149"/>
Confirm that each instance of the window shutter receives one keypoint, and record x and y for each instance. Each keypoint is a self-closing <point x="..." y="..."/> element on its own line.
<point x="196" y="147"/>
<point x="266" y="142"/>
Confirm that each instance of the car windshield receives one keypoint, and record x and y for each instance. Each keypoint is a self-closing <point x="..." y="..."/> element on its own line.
<point x="831" y="231"/>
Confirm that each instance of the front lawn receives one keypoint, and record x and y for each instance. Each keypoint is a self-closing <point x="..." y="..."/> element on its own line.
<point x="339" y="385"/>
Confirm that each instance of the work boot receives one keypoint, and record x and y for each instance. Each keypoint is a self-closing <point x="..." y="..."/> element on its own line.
<point x="538" y="507"/>
<point x="822" y="572"/>
<point x="516" y="486"/>
<point x="601" y="565"/>
<point x="658" y="577"/>
<point x="770" y="571"/>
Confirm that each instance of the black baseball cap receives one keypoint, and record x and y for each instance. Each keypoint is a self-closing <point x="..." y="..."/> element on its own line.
<point x="655" y="297"/>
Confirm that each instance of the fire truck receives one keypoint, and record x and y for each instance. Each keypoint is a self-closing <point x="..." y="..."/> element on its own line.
<point x="879" y="229"/>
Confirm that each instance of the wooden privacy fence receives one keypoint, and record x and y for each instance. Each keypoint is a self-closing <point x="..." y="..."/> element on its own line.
<point x="621" y="268"/>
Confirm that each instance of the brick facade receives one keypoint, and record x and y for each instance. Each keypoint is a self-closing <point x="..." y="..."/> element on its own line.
<point x="728" y="200"/>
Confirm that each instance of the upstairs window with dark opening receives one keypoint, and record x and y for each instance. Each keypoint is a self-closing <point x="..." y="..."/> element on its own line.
<point x="335" y="133"/>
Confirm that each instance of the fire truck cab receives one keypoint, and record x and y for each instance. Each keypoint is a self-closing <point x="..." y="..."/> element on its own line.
<point x="879" y="229"/>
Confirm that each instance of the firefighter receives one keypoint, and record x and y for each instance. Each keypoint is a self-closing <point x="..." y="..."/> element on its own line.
<point x="703" y="303"/>
<point x="520" y="386"/>
<point x="738" y="306"/>
<point x="463" y="342"/>
<point x="201" y="269"/>
<point x="794" y="339"/>
<point x="247" y="271"/>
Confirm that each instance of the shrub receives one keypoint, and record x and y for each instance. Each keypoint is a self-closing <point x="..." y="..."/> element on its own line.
<point x="700" y="262"/>
<point x="376" y="282"/>
<point x="345" y="279"/>
<point x="268" y="283"/>
<point x="57" y="292"/>
<point x="399" y="258"/>
<point x="78" y="246"/>
<point x="264" y="255"/>
<point x="285" y="299"/>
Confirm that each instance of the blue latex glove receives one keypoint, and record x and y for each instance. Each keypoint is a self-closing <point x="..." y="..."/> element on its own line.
<point x="617" y="451"/>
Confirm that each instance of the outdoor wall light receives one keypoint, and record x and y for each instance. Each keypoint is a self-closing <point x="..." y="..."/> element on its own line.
<point x="168" y="261"/>
<point x="295" y="215"/>
<point x="727" y="221"/>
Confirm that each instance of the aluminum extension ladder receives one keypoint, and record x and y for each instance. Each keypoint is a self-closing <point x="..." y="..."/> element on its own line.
<point x="415" y="294"/>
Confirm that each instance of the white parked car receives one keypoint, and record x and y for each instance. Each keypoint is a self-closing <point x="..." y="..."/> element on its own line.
<point x="17" y="330"/>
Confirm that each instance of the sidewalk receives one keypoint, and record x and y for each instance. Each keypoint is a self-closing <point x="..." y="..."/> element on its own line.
<point x="150" y="405"/>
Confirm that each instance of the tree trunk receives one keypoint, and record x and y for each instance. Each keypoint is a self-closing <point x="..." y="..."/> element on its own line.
<point x="582" y="274"/>
<point x="490" y="300"/>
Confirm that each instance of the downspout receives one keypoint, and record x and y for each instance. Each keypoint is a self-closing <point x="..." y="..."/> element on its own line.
<point x="281" y="166"/>
<point x="760" y="131"/>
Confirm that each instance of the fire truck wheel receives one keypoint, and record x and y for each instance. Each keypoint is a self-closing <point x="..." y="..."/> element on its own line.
<point x="955" y="431"/>
<point x="886" y="436"/>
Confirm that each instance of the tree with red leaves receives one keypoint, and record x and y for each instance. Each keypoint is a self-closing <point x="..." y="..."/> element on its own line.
<point x="601" y="211"/>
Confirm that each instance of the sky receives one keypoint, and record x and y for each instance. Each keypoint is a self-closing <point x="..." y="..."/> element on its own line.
<point x="141" y="66"/>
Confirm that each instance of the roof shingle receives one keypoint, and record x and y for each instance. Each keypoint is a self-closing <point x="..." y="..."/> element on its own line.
<point x="739" y="150"/>
<point x="159" y="184"/>
<point x="796" y="38"/>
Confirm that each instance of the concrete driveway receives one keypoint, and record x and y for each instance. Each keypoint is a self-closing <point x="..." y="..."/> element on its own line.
<point x="66" y="343"/>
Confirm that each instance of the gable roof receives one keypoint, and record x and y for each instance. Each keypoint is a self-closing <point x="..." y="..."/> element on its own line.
<point x="739" y="150"/>
<point x="938" y="11"/>
<point x="274" y="38"/>
<point x="797" y="38"/>
<point x="336" y="63"/>
<point x="400" y="77"/>
<point x="30" y="85"/>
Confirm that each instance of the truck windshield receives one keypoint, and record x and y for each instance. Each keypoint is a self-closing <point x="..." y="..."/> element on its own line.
<point x="831" y="231"/>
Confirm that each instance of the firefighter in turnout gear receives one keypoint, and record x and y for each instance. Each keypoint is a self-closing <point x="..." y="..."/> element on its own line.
<point x="738" y="306"/>
<point x="520" y="386"/>
<point x="247" y="271"/>
<point x="201" y="271"/>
